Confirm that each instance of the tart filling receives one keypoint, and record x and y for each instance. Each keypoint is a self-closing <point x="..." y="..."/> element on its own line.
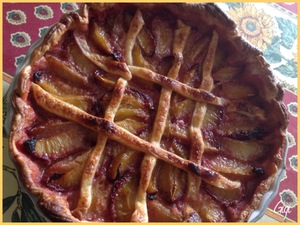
<point x="147" y="112"/>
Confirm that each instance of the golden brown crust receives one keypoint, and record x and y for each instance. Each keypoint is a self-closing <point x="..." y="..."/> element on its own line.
<point x="29" y="98"/>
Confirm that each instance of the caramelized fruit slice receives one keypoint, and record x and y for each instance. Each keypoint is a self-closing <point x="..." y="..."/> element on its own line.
<point x="81" y="62"/>
<point x="67" y="173"/>
<point x="160" y="211"/>
<point x="60" y="88"/>
<point x="212" y="116"/>
<point x="177" y="128"/>
<point x="163" y="33"/>
<point x="246" y="109"/>
<point x="116" y="30"/>
<point x="122" y="162"/>
<point x="237" y="90"/>
<point x="100" y="38"/>
<point x="226" y="73"/>
<point x="146" y="41"/>
<point x="247" y="151"/>
<point x="67" y="93"/>
<point x="135" y="99"/>
<point x="122" y="197"/>
<point x="171" y="182"/>
<point x="241" y="127"/>
<point x="133" y="113"/>
<point x="210" y="210"/>
<point x="133" y="126"/>
<point x="81" y="102"/>
<point x="64" y="70"/>
<point x="179" y="119"/>
<point x="225" y="195"/>
<point x="182" y="108"/>
<point x="68" y="139"/>
<point x="124" y="113"/>
<point x="226" y="165"/>
<point x="195" y="50"/>
<point x="179" y="147"/>
<point x="139" y="60"/>
<point x="105" y="63"/>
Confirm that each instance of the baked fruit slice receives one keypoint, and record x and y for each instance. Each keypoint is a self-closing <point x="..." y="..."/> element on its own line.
<point x="147" y="112"/>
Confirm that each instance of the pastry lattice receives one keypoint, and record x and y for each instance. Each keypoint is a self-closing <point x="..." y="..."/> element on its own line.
<point x="153" y="150"/>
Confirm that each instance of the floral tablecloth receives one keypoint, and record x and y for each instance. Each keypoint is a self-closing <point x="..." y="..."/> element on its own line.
<point x="271" y="27"/>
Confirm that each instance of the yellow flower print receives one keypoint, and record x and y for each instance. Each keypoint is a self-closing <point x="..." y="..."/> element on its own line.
<point x="253" y="24"/>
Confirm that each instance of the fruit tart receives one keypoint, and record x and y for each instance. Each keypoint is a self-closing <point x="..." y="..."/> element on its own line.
<point x="147" y="113"/>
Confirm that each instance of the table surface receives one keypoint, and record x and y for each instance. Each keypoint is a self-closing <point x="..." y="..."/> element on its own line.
<point x="271" y="27"/>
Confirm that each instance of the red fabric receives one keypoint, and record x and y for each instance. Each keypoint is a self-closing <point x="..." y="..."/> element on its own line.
<point x="290" y="181"/>
<point x="31" y="27"/>
<point x="290" y="6"/>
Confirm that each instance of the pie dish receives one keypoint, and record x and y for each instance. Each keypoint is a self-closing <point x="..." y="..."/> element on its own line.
<point x="145" y="113"/>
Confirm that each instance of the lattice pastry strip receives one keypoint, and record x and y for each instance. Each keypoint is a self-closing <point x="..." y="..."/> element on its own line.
<point x="140" y="214"/>
<point x="92" y="163"/>
<point x="121" y="135"/>
<point x="197" y="145"/>
<point x="103" y="62"/>
<point x="110" y="112"/>
<point x="178" y="87"/>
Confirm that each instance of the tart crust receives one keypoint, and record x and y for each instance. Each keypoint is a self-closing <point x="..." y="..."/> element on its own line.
<point x="29" y="97"/>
